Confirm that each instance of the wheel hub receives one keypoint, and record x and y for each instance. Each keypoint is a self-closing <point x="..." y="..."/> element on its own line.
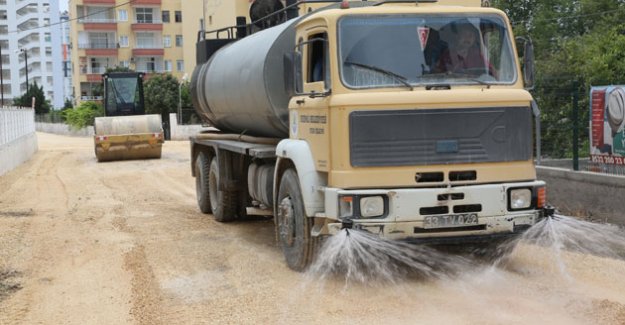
<point x="286" y="221"/>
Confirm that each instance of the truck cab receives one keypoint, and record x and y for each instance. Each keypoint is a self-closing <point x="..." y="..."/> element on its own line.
<point x="408" y="138"/>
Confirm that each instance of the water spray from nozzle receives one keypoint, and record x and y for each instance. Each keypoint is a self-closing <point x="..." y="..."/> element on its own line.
<point x="347" y="224"/>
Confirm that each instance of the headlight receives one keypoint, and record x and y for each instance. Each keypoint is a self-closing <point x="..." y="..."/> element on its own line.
<point x="371" y="206"/>
<point x="520" y="199"/>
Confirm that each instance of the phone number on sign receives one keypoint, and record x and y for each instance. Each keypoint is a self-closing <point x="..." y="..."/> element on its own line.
<point x="612" y="160"/>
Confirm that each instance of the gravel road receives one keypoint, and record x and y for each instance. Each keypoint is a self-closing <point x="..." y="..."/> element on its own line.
<point x="83" y="242"/>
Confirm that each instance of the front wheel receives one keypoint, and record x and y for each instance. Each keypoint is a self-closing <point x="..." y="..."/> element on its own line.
<point x="294" y="227"/>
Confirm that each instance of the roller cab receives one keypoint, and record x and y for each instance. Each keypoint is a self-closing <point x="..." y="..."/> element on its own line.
<point x="125" y="132"/>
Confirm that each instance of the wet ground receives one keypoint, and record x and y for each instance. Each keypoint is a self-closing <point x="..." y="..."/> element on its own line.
<point x="124" y="243"/>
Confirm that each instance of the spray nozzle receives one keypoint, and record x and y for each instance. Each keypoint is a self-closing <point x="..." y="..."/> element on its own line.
<point x="347" y="223"/>
<point x="549" y="211"/>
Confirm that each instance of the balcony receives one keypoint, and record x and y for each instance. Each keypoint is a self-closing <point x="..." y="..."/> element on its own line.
<point x="147" y="25"/>
<point x="147" y="3"/>
<point x="99" y="48"/>
<point x="94" y="77"/>
<point x="99" y="2"/>
<point x="148" y="52"/>
<point x="91" y="20"/>
<point x="100" y="25"/>
<point x="97" y="17"/>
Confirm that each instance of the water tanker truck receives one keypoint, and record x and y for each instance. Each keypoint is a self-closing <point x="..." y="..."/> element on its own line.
<point x="407" y="119"/>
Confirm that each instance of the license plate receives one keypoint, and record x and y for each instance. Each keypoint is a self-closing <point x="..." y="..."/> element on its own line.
<point x="449" y="221"/>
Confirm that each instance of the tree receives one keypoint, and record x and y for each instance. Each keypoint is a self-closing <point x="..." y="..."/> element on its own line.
<point x="68" y="104"/>
<point x="42" y="105"/>
<point x="161" y="94"/>
<point x="578" y="44"/>
<point x="83" y="115"/>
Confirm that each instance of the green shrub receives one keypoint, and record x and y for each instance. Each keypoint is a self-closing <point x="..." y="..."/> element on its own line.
<point x="83" y="115"/>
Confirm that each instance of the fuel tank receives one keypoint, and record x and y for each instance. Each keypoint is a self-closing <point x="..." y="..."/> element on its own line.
<point x="241" y="88"/>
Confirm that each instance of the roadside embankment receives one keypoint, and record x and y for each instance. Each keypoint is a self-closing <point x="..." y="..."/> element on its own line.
<point x="600" y="197"/>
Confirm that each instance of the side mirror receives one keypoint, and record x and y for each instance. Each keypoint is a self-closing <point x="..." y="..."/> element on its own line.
<point x="297" y="72"/>
<point x="528" y="62"/>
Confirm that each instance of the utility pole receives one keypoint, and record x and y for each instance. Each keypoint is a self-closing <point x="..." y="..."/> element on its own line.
<point x="26" y="66"/>
<point x="575" y="125"/>
<point x="1" y="78"/>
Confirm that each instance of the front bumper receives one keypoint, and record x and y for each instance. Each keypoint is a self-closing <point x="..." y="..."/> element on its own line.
<point x="404" y="219"/>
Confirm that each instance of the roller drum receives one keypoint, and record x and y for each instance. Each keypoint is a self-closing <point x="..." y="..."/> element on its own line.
<point x="128" y="137"/>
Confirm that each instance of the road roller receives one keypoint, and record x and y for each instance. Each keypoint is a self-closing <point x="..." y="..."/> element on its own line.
<point x="126" y="132"/>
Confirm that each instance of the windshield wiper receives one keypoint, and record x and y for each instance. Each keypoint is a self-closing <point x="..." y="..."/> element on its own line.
<point x="395" y="76"/>
<point x="458" y="75"/>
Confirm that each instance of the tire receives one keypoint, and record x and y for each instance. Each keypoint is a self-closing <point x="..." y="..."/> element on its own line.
<point x="202" y="169"/>
<point x="224" y="203"/>
<point x="294" y="227"/>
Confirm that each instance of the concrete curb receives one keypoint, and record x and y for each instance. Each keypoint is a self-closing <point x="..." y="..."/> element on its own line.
<point x="592" y="195"/>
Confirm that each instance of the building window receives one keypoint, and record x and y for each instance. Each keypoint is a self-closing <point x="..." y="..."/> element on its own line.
<point x="167" y="65"/>
<point x="124" y="64"/>
<point x="166" y="16"/>
<point x="146" y="40"/>
<point x="166" y="41"/>
<point x="47" y="37"/>
<point x="180" y="65"/>
<point x="122" y="15"/>
<point x="144" y="16"/>
<point x="123" y="41"/>
<point x="178" y="16"/>
<point x="150" y="66"/>
<point x="178" y="40"/>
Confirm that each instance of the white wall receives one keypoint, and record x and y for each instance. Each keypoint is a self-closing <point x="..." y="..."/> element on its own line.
<point x="18" y="141"/>
<point x="183" y="132"/>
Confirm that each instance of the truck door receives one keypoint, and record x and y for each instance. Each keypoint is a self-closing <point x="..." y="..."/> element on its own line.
<point x="312" y="106"/>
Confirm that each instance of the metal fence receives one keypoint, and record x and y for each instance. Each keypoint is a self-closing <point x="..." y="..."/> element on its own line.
<point x="565" y="131"/>
<point x="15" y="123"/>
<point x="188" y="116"/>
<point x="54" y="117"/>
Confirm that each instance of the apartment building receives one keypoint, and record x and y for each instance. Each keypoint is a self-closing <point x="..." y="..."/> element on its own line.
<point x="143" y="35"/>
<point x="151" y="36"/>
<point x="30" y="46"/>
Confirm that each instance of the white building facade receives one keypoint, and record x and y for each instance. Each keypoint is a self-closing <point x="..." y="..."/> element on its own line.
<point x="30" y="32"/>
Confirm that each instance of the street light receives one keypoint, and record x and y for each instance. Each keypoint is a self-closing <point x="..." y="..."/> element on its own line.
<point x="1" y="78"/>
<point x="184" y="78"/>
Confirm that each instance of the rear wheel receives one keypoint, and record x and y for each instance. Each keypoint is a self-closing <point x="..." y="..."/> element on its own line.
<point x="294" y="227"/>
<point x="224" y="203"/>
<point x="202" y="170"/>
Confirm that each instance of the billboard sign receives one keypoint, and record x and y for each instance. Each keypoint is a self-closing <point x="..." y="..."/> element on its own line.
<point x="607" y="125"/>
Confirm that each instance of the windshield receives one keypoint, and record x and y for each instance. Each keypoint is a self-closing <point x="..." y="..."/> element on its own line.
<point x="122" y="96"/>
<point x="419" y="50"/>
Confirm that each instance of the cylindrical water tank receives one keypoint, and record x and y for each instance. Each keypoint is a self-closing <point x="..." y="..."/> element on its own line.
<point x="241" y="89"/>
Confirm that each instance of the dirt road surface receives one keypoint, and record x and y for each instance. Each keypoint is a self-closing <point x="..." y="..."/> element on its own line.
<point x="124" y="243"/>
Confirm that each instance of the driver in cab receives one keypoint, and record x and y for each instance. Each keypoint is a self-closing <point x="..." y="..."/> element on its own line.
<point x="464" y="55"/>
